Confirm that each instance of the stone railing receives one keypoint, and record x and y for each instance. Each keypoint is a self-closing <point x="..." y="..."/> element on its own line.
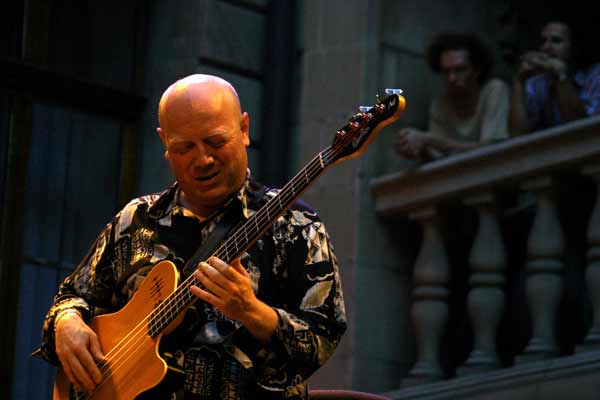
<point x="533" y="164"/>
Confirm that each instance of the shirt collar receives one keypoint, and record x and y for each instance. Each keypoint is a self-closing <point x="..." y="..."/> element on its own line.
<point x="246" y="200"/>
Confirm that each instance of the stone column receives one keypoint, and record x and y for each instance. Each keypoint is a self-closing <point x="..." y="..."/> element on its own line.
<point x="592" y="273"/>
<point x="429" y="311"/>
<point x="486" y="297"/>
<point x="544" y="268"/>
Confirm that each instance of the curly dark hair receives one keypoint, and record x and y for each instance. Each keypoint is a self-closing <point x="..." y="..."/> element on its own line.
<point x="480" y="54"/>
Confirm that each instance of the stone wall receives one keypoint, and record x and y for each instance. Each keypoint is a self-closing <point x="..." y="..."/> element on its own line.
<point x="351" y="51"/>
<point x="202" y="36"/>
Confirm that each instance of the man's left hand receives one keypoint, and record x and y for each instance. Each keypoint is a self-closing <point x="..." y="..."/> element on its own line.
<point x="229" y="288"/>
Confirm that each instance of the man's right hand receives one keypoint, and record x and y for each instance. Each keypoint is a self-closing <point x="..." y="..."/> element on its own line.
<point x="410" y="143"/>
<point x="537" y="62"/>
<point x="78" y="350"/>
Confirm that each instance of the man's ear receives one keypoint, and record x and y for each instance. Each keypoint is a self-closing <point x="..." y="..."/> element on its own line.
<point x="245" y="128"/>
<point x="161" y="133"/>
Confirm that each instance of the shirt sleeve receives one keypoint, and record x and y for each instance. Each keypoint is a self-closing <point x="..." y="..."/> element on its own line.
<point x="494" y="118"/>
<point x="311" y="315"/>
<point x="536" y="97"/>
<point x="438" y="121"/>
<point x="83" y="290"/>
<point x="591" y="91"/>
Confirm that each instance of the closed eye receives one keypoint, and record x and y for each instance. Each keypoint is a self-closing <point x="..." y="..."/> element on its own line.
<point x="181" y="148"/>
<point x="216" y="143"/>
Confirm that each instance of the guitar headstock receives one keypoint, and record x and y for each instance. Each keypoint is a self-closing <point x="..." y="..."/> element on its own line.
<point x="353" y="139"/>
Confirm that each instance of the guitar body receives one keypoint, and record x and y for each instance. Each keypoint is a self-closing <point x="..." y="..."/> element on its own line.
<point x="137" y="366"/>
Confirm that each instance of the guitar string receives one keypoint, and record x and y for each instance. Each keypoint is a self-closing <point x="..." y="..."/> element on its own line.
<point x="113" y="355"/>
<point x="188" y="282"/>
<point x="155" y="313"/>
<point x="164" y="304"/>
<point x="111" y="365"/>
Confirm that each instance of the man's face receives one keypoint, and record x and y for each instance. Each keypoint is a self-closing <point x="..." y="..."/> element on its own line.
<point x="206" y="147"/>
<point x="556" y="41"/>
<point x="459" y="75"/>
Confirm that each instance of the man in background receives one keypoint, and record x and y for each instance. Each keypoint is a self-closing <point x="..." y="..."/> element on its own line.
<point x="549" y="87"/>
<point x="472" y="110"/>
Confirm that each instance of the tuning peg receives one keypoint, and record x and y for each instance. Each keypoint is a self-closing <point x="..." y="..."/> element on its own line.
<point x="393" y="91"/>
<point x="364" y="109"/>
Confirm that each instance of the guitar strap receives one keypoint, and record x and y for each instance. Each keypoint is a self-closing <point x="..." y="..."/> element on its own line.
<point x="174" y="379"/>
<point x="254" y="193"/>
<point x="210" y="245"/>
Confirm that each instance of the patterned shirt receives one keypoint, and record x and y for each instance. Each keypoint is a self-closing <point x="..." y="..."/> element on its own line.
<point x="293" y="269"/>
<point x="542" y="107"/>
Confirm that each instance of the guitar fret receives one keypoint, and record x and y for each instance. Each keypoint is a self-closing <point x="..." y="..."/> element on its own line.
<point x="226" y="253"/>
<point x="256" y="223"/>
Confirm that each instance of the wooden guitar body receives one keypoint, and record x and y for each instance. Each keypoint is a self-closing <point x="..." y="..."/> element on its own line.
<point x="134" y="365"/>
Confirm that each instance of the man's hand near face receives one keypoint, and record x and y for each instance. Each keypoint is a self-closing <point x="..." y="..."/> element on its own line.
<point x="536" y="62"/>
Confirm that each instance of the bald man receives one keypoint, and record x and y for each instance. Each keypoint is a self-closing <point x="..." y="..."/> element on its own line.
<point x="264" y="324"/>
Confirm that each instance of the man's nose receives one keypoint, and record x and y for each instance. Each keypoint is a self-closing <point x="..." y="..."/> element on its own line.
<point x="203" y="158"/>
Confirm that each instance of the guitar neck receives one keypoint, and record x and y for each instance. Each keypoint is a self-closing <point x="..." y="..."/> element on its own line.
<point x="248" y="233"/>
<point x="242" y="238"/>
<point x="350" y="141"/>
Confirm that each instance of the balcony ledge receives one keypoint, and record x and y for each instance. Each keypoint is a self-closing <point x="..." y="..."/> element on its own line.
<point x="572" y="377"/>
<point x="501" y="163"/>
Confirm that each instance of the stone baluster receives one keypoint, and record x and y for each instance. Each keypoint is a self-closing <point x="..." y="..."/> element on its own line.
<point x="429" y="310"/>
<point x="544" y="268"/>
<point x="486" y="299"/>
<point x="592" y="273"/>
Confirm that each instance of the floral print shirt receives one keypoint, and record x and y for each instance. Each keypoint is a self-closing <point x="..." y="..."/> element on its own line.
<point x="542" y="107"/>
<point x="293" y="269"/>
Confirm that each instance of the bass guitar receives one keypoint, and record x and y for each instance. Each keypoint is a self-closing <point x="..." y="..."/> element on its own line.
<point x="130" y="337"/>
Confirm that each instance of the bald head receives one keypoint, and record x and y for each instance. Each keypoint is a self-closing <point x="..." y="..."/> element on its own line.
<point x="197" y="95"/>
<point x="205" y="136"/>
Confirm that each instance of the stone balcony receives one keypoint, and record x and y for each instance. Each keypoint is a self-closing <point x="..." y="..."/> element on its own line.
<point x="528" y="284"/>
